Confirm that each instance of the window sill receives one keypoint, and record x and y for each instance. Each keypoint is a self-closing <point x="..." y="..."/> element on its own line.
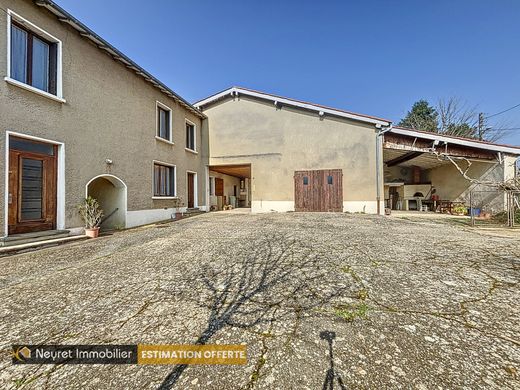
<point x="35" y="90"/>
<point x="191" y="150"/>
<point x="164" y="140"/>
<point x="164" y="197"/>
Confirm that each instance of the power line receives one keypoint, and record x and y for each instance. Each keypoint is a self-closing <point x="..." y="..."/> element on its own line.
<point x="504" y="129"/>
<point x="501" y="112"/>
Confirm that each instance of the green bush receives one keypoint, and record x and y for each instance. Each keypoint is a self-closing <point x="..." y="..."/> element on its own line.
<point x="90" y="212"/>
<point x="502" y="217"/>
<point x="460" y="209"/>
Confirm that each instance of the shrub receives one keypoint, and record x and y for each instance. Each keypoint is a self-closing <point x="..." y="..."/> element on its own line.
<point x="460" y="209"/>
<point x="90" y="212"/>
<point x="502" y="217"/>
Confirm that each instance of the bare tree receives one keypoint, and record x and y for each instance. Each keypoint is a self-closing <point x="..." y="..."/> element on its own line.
<point x="457" y="118"/>
<point x="463" y="165"/>
<point x="452" y="116"/>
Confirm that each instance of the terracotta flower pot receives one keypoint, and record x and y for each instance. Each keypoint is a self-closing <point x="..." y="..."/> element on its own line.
<point x="92" y="233"/>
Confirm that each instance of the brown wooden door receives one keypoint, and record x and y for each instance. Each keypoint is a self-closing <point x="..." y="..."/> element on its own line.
<point x="32" y="191"/>
<point x="318" y="190"/>
<point x="191" y="190"/>
<point x="219" y="187"/>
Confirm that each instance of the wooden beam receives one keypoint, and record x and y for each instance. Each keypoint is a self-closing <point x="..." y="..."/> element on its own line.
<point x="415" y="144"/>
<point x="401" y="159"/>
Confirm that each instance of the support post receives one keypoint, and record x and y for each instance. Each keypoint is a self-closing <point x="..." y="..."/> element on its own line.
<point x="472" y="213"/>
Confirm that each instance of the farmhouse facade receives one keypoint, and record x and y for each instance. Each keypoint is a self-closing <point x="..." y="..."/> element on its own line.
<point x="300" y="156"/>
<point x="78" y="118"/>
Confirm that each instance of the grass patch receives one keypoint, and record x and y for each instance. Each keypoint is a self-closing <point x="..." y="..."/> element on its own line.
<point x="362" y="294"/>
<point x="350" y="313"/>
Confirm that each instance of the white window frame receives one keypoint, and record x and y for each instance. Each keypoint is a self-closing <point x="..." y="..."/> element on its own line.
<point x="38" y="31"/>
<point x="187" y="121"/>
<point x="174" y="180"/>
<point x="211" y="185"/>
<point x="60" y="178"/>
<point x="166" y="108"/>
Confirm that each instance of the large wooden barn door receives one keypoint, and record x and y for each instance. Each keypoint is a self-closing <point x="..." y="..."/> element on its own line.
<point x="318" y="190"/>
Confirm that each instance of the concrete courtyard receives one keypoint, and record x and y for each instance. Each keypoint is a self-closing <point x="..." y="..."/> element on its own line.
<point x="321" y="300"/>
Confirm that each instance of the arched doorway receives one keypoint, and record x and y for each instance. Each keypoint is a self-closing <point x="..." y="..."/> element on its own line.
<point x="110" y="192"/>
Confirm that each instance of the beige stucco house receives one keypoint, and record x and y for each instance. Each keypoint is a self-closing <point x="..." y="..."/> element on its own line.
<point x="275" y="137"/>
<point x="77" y="118"/>
<point x="287" y="155"/>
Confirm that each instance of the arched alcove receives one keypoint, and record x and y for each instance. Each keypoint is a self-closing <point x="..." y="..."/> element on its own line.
<point x="110" y="192"/>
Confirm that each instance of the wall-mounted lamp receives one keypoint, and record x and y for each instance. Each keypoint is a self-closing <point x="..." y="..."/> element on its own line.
<point x="108" y="161"/>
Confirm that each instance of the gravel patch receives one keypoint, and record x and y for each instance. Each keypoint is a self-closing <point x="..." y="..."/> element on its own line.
<point x="354" y="301"/>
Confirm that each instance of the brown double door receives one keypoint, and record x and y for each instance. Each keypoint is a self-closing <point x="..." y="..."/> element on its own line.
<point x="32" y="186"/>
<point x="318" y="190"/>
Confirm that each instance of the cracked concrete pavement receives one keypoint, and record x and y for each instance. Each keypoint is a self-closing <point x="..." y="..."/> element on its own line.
<point x="440" y="303"/>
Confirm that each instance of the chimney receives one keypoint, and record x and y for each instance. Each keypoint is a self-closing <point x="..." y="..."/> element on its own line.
<point x="416" y="175"/>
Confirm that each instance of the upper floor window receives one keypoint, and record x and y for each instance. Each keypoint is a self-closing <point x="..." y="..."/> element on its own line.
<point x="33" y="57"/>
<point x="164" y="122"/>
<point x="190" y="136"/>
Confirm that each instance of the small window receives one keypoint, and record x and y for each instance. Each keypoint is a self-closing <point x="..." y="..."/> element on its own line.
<point x="33" y="59"/>
<point x="305" y="180"/>
<point x="329" y="179"/>
<point x="27" y="145"/>
<point x="164" y="123"/>
<point x="164" y="180"/>
<point x="190" y="136"/>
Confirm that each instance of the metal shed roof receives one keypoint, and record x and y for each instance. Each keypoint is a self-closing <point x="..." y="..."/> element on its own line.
<point x="236" y="91"/>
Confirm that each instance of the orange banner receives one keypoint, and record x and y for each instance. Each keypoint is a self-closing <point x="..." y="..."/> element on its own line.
<point x="191" y="354"/>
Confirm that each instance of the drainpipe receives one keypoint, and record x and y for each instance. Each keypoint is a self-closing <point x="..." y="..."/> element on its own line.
<point x="379" y="161"/>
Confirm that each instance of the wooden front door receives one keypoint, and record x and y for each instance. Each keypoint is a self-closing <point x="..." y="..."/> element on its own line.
<point x="191" y="190"/>
<point x="318" y="190"/>
<point x="219" y="187"/>
<point x="32" y="186"/>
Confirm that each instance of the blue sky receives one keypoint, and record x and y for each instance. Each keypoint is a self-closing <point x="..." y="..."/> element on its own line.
<point x="372" y="57"/>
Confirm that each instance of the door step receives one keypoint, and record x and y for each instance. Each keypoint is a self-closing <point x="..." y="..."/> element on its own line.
<point x="31" y="246"/>
<point x="27" y="238"/>
<point x="192" y="211"/>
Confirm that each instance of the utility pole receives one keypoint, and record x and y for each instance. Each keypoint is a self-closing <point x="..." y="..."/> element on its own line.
<point x="480" y="125"/>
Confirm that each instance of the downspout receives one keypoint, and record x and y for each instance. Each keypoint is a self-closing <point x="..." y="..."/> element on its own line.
<point x="379" y="161"/>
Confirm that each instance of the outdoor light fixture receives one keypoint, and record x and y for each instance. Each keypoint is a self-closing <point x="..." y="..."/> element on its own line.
<point x="108" y="161"/>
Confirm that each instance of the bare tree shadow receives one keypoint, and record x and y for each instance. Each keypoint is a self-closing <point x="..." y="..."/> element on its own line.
<point x="274" y="278"/>
<point x="328" y="384"/>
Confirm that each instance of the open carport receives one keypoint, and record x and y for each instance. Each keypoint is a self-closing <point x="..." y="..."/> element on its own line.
<point x="433" y="172"/>
<point x="230" y="185"/>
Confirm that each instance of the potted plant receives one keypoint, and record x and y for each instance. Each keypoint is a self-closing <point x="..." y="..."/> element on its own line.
<point x="177" y="204"/>
<point x="91" y="214"/>
<point x="460" y="210"/>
